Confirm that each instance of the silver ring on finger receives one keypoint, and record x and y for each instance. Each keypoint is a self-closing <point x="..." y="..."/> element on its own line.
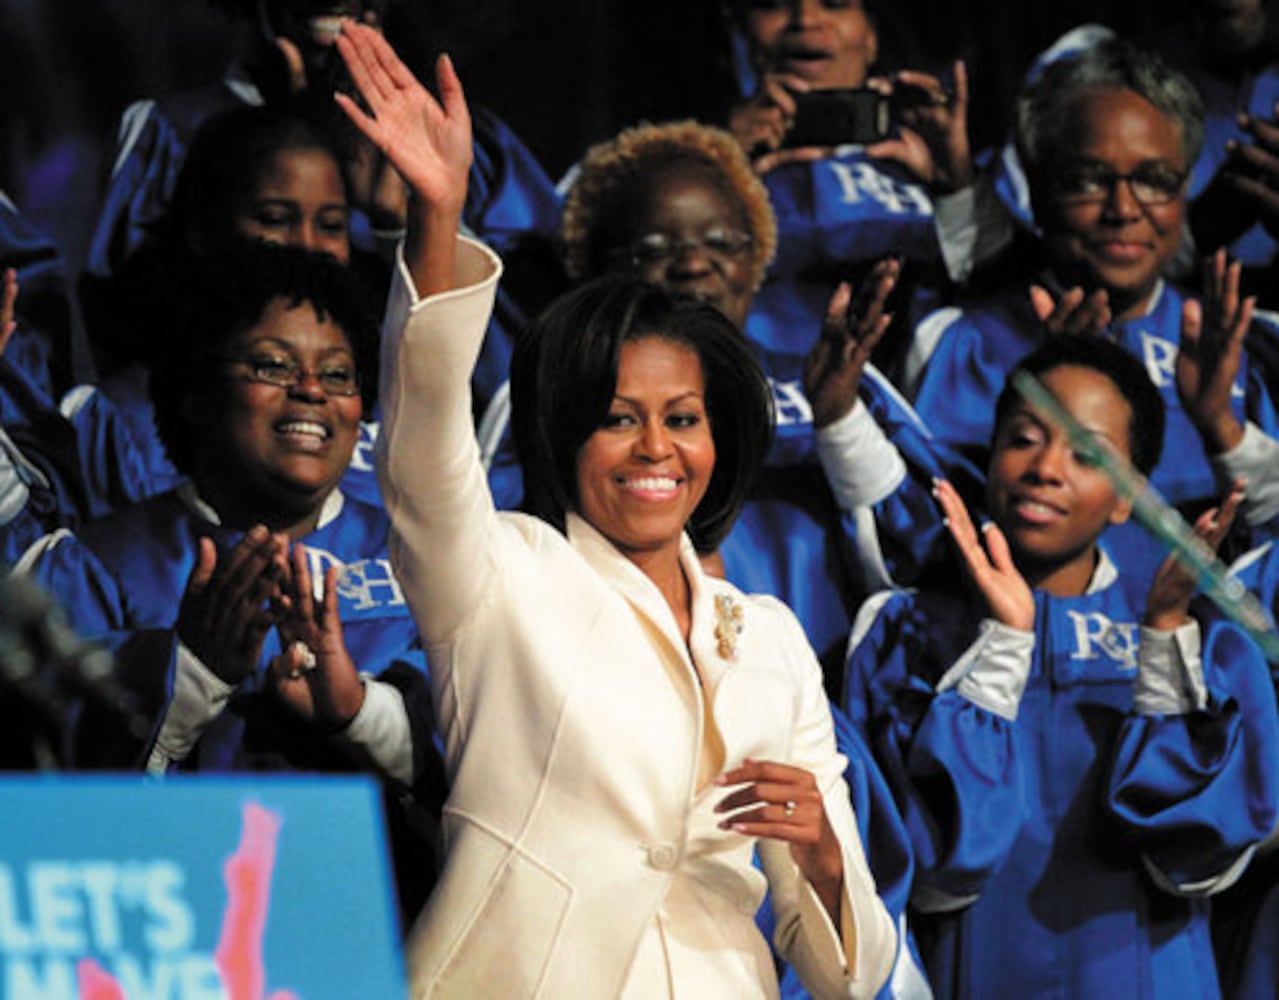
<point x="305" y="654"/>
<point x="789" y="808"/>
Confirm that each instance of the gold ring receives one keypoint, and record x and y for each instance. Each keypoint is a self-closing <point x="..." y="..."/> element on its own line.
<point x="789" y="808"/>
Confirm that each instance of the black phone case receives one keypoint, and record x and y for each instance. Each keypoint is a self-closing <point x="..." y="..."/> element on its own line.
<point x="837" y="117"/>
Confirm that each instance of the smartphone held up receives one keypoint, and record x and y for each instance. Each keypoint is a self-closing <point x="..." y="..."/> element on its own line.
<point x="853" y="116"/>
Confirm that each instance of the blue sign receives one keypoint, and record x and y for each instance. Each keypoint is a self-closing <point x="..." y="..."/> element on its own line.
<point x="195" y="888"/>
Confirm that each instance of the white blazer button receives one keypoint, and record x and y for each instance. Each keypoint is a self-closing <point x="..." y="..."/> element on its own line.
<point x="662" y="856"/>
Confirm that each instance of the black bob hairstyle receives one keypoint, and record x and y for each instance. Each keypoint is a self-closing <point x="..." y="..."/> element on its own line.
<point x="1125" y="372"/>
<point x="229" y="294"/>
<point x="564" y="375"/>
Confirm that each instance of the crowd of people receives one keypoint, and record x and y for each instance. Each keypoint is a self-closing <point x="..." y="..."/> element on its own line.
<point x="726" y="559"/>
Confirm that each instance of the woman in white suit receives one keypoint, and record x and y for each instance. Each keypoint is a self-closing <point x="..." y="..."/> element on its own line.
<point x="621" y="730"/>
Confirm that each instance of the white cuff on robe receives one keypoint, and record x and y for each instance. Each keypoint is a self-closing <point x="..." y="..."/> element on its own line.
<point x="1170" y="676"/>
<point x="1255" y="460"/>
<point x="992" y="671"/>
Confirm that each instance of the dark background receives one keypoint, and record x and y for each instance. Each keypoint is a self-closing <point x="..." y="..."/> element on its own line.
<point x="563" y="73"/>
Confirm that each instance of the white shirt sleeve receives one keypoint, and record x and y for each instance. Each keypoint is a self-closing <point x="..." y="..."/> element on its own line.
<point x="862" y="465"/>
<point x="199" y="697"/>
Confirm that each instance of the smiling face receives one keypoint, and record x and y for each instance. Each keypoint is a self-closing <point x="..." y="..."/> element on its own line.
<point x="828" y="43"/>
<point x="272" y="453"/>
<point x="686" y="229"/>
<point x="1051" y="504"/>
<point x="299" y="201"/>
<point x="642" y="473"/>
<point x="1116" y="241"/>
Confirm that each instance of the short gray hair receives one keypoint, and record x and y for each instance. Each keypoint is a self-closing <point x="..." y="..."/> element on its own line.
<point x="1111" y="64"/>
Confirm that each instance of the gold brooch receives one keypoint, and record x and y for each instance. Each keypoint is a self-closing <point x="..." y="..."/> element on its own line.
<point x="728" y="625"/>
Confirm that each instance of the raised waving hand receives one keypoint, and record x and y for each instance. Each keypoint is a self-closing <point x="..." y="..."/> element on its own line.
<point x="427" y="141"/>
<point x="854" y="324"/>
<point x="989" y="562"/>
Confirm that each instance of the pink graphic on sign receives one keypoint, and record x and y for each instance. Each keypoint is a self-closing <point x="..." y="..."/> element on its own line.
<point x="239" y="953"/>
<point x="96" y="983"/>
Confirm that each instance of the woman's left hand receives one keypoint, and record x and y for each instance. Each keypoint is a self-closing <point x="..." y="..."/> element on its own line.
<point x="427" y="141"/>
<point x="314" y="675"/>
<point x="781" y="802"/>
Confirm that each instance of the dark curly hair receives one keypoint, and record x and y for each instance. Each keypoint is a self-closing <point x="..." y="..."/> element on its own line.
<point x="228" y="294"/>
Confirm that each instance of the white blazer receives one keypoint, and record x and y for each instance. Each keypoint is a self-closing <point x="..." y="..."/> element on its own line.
<point x="574" y="721"/>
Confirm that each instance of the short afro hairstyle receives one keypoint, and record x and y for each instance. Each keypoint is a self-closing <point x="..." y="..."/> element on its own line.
<point x="228" y="295"/>
<point x="564" y="375"/>
<point x="1125" y="372"/>
<point x="607" y="182"/>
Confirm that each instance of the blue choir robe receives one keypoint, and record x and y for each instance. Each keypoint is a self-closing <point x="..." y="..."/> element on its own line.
<point x="121" y="580"/>
<point x="41" y="344"/>
<point x="1246" y="918"/>
<point x="58" y="467"/>
<point x="1067" y="824"/>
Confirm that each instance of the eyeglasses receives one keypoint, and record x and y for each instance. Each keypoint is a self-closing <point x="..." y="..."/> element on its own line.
<point x="1150" y="184"/>
<point x="653" y="249"/>
<point x="338" y="380"/>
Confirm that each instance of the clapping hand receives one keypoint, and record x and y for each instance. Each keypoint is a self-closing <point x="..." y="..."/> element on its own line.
<point x="314" y="674"/>
<point x="1072" y="313"/>
<point x="854" y="325"/>
<point x="1212" y="335"/>
<point x="1251" y="174"/>
<point x="225" y="612"/>
<point x="1168" y="602"/>
<point x="991" y="566"/>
